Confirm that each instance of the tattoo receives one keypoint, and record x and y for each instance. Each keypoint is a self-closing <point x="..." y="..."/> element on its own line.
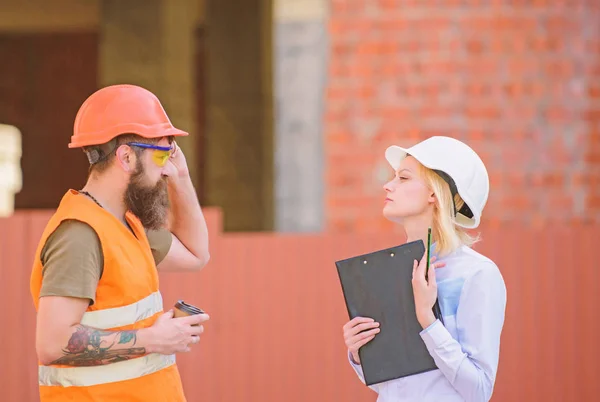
<point x="94" y="347"/>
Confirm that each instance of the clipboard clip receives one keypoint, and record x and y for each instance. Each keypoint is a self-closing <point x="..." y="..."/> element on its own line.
<point x="392" y="254"/>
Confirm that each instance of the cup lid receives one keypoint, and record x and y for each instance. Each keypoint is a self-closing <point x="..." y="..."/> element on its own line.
<point x="188" y="308"/>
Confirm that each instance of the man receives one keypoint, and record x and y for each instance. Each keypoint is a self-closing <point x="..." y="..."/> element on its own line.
<point x="101" y="331"/>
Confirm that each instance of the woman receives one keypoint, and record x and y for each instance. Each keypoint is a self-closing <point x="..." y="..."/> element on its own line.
<point x="442" y="183"/>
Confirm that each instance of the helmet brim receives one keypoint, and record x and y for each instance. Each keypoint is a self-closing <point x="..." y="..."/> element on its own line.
<point x="394" y="155"/>
<point x="142" y="131"/>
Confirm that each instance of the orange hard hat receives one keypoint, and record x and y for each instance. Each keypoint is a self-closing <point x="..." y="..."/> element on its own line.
<point x="120" y="109"/>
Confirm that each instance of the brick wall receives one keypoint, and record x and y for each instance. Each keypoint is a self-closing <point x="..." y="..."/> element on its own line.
<point x="518" y="80"/>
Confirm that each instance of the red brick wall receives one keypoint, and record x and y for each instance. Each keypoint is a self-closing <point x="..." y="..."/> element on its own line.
<point x="518" y="80"/>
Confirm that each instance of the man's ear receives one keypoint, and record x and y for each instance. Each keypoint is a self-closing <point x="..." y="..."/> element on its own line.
<point x="126" y="158"/>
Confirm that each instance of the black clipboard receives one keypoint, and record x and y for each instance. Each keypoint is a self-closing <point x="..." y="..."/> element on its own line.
<point x="379" y="285"/>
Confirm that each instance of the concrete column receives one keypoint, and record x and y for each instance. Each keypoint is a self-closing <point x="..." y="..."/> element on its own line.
<point x="300" y="61"/>
<point x="151" y="43"/>
<point x="239" y="141"/>
<point x="180" y="20"/>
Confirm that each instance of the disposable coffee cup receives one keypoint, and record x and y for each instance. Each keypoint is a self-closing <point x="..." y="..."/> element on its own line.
<point x="183" y="309"/>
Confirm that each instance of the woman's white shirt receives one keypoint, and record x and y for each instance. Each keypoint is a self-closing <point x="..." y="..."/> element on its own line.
<point x="472" y="297"/>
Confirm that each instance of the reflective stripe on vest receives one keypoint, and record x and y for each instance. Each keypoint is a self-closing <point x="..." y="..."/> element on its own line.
<point x="126" y="315"/>
<point x="114" y="372"/>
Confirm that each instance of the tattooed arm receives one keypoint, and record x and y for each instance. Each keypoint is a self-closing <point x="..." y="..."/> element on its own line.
<point x="62" y="339"/>
<point x="92" y="347"/>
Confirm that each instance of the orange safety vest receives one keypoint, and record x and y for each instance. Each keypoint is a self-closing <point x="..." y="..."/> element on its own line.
<point x="127" y="297"/>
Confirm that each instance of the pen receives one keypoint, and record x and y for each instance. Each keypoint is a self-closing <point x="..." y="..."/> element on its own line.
<point x="428" y="256"/>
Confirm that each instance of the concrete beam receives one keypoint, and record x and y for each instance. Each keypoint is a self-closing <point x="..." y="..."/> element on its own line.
<point x="43" y="15"/>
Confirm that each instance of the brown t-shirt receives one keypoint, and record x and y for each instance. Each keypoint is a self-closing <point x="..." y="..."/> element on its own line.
<point x="73" y="261"/>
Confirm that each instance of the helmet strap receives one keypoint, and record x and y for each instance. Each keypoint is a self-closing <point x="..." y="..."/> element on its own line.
<point x="464" y="210"/>
<point x="98" y="153"/>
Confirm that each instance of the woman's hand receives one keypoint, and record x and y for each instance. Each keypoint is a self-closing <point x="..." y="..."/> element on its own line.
<point x="425" y="290"/>
<point x="358" y="332"/>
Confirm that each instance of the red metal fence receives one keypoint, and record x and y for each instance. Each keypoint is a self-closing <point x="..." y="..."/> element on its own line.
<point x="277" y="310"/>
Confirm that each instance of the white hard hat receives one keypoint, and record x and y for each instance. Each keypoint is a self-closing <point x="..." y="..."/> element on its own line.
<point x="458" y="165"/>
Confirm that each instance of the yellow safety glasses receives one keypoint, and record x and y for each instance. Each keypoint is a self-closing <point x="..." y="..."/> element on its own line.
<point x="160" y="155"/>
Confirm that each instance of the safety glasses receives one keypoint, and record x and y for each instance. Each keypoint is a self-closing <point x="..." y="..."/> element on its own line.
<point x="160" y="155"/>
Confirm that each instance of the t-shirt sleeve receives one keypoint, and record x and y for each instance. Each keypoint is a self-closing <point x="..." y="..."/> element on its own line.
<point x="160" y="243"/>
<point x="72" y="261"/>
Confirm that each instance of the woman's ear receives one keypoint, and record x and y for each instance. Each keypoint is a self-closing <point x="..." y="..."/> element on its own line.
<point x="126" y="158"/>
<point x="432" y="198"/>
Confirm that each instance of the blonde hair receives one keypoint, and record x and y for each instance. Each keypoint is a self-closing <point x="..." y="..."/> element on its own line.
<point x="445" y="232"/>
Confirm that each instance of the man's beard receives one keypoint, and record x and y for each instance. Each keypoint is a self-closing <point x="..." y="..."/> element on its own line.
<point x="149" y="203"/>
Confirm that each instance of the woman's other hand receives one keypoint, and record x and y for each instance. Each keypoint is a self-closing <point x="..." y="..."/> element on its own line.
<point x="358" y="332"/>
